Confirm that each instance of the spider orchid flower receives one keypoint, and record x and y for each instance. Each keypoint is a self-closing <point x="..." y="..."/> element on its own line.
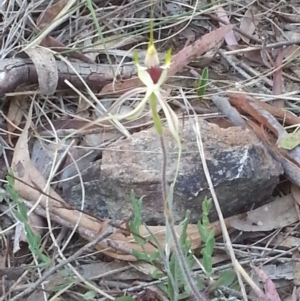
<point x="153" y="75"/>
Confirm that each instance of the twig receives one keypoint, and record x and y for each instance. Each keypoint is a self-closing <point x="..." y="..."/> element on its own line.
<point x="242" y="72"/>
<point x="256" y="73"/>
<point x="230" y="112"/>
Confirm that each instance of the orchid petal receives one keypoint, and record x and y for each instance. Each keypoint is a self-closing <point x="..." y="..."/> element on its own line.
<point x="163" y="77"/>
<point x="171" y="117"/>
<point x="137" y="114"/>
<point x="145" y="78"/>
<point x="126" y="96"/>
<point x="168" y="57"/>
<point x="151" y="59"/>
<point x="138" y="109"/>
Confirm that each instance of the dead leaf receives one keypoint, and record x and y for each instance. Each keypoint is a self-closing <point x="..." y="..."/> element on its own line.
<point x="17" y="105"/>
<point x="290" y="53"/>
<point x="249" y="23"/>
<point x="269" y="286"/>
<point x="265" y="218"/>
<point x="230" y="36"/>
<point x="46" y="153"/>
<point x="202" y="45"/>
<point x="254" y="57"/>
<point x="47" y="16"/>
<point x="46" y="68"/>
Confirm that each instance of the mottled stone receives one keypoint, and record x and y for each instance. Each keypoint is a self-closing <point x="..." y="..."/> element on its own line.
<point x="242" y="171"/>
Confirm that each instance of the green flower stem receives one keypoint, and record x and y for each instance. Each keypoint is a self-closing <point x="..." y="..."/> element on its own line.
<point x="155" y="116"/>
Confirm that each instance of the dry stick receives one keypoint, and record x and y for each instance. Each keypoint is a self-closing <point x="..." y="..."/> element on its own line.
<point x="242" y="72"/>
<point x="51" y="271"/>
<point x="256" y="73"/>
<point x="169" y="217"/>
<point x="230" y="112"/>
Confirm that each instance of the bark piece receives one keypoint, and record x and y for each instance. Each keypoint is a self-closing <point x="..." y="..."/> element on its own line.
<point x="17" y="71"/>
<point x="242" y="171"/>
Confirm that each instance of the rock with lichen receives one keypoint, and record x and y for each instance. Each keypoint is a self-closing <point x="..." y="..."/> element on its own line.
<point x="242" y="171"/>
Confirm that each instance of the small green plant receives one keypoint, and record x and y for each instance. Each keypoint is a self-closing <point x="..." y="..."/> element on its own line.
<point x="33" y="240"/>
<point x="134" y="226"/>
<point x="225" y="278"/>
<point x="176" y="281"/>
<point x="175" y="269"/>
<point x="176" y="286"/>
<point x="202" y="83"/>
<point x="208" y="237"/>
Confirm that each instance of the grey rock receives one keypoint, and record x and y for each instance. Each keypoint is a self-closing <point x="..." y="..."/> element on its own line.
<point x="243" y="173"/>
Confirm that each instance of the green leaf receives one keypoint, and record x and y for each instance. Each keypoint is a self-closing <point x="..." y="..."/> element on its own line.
<point x="136" y="222"/>
<point x="89" y="295"/>
<point x="206" y="206"/>
<point x="140" y="255"/>
<point x="164" y="288"/>
<point x="202" y="83"/>
<point x="183" y="235"/>
<point x="290" y="141"/>
<point x="154" y="256"/>
<point x="202" y="231"/>
<point x="226" y="278"/>
<point x="23" y="211"/>
<point x="183" y="295"/>
<point x="157" y="274"/>
<point x="210" y="242"/>
<point x="207" y="263"/>
<point x="200" y="283"/>
<point x="10" y="179"/>
<point x="12" y="192"/>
